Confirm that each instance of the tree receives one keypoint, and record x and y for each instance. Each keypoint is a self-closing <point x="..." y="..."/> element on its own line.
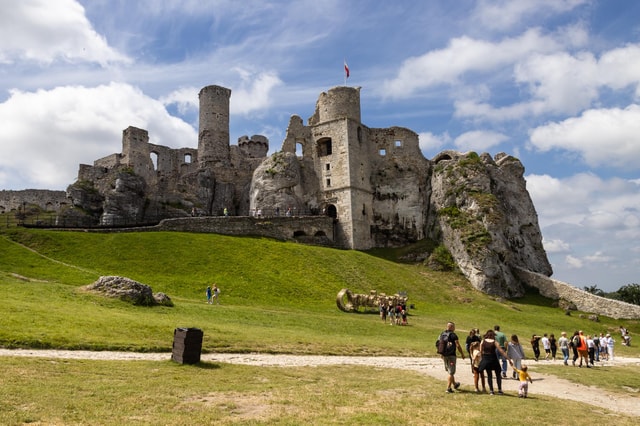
<point x="593" y="289"/>
<point x="629" y="293"/>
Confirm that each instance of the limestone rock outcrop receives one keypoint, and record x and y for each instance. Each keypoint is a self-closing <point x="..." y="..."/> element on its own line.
<point x="129" y="290"/>
<point x="487" y="219"/>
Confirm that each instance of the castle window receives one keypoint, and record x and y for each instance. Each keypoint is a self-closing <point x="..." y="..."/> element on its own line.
<point x="324" y="147"/>
<point x="398" y="143"/>
<point x="382" y="152"/>
<point x="187" y="158"/>
<point x="328" y="166"/>
<point x="359" y="134"/>
<point x="299" y="149"/>
<point x="154" y="160"/>
<point x="328" y="182"/>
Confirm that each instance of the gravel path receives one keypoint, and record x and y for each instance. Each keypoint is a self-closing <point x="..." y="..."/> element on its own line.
<point x="543" y="384"/>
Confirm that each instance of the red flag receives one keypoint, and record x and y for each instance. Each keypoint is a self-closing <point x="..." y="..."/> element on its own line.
<point x="346" y="69"/>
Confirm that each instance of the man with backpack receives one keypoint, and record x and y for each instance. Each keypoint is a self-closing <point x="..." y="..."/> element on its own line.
<point x="446" y="345"/>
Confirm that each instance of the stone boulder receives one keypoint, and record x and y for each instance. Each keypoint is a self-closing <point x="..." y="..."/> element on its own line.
<point x="129" y="290"/>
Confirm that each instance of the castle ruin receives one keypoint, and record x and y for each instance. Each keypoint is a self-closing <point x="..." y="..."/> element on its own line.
<point x="374" y="183"/>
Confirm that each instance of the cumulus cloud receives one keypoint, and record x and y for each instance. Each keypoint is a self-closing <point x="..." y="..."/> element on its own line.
<point x="466" y="55"/>
<point x="430" y="142"/>
<point x="573" y="262"/>
<point x="556" y="246"/>
<point x="479" y="140"/>
<point x="602" y="137"/>
<point x="81" y="124"/>
<point x="561" y="83"/>
<point x="601" y="218"/>
<point x="44" y="31"/>
<point x="254" y="92"/>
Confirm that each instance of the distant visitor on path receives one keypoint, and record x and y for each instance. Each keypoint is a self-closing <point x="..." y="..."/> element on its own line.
<point x="208" y="293"/>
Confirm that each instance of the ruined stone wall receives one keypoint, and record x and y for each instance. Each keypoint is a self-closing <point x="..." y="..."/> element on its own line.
<point x="400" y="179"/>
<point x="282" y="228"/>
<point x="43" y="198"/>
<point x="583" y="300"/>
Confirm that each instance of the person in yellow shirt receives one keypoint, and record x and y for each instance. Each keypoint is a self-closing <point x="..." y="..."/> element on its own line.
<point x="525" y="379"/>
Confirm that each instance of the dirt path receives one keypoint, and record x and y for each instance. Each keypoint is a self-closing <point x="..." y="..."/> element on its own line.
<point x="543" y="384"/>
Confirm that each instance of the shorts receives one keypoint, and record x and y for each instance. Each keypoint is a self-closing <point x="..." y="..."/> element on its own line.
<point x="450" y="364"/>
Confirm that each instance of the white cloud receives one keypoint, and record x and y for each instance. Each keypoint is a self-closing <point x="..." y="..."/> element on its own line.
<point x="556" y="246"/>
<point x="506" y="14"/>
<point x="561" y="83"/>
<point x="565" y="83"/>
<point x="254" y="93"/>
<point x="465" y="55"/>
<point x="601" y="219"/>
<point x="479" y="140"/>
<point x="76" y="125"/>
<point x="602" y="137"/>
<point x="573" y="262"/>
<point x="430" y="142"/>
<point x="44" y="31"/>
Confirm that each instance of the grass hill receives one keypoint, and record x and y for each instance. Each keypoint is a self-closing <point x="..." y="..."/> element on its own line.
<point x="276" y="297"/>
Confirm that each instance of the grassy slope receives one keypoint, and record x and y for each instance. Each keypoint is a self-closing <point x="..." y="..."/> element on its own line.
<point x="277" y="297"/>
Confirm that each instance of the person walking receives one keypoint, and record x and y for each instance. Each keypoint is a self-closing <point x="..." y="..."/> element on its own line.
<point x="448" y="343"/>
<point x="553" y="343"/>
<point x="610" y="343"/>
<point x="583" y="350"/>
<point x="535" y="345"/>
<point x="216" y="294"/>
<point x="525" y="379"/>
<point x="472" y="337"/>
<point x="490" y="349"/>
<point x="208" y="293"/>
<point x="563" y="344"/>
<point x="515" y="353"/>
<point x="501" y="338"/>
<point x="546" y="345"/>
<point x="475" y="358"/>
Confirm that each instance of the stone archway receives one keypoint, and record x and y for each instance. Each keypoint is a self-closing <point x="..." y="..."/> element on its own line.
<point x="332" y="211"/>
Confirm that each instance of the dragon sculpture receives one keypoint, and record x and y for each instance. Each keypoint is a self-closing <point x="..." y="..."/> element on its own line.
<point x="350" y="302"/>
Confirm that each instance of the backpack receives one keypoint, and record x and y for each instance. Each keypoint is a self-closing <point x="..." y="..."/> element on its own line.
<point x="444" y="345"/>
<point x="576" y="341"/>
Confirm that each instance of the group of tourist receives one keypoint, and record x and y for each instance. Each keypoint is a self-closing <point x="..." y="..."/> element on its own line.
<point x="493" y="351"/>
<point x="396" y="314"/>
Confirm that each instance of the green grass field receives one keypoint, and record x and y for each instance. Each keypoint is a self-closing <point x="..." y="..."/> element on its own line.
<point x="276" y="298"/>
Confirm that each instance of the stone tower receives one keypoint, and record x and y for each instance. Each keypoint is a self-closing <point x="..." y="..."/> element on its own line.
<point x="213" y="135"/>
<point x="343" y="157"/>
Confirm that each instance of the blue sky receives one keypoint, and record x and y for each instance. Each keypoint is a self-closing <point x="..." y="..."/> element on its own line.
<point x="554" y="82"/>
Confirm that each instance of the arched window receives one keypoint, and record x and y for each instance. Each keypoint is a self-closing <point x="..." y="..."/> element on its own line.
<point x="332" y="211"/>
<point x="154" y="160"/>
<point x="188" y="158"/>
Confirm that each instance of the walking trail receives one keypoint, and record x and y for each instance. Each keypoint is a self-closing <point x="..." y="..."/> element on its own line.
<point x="543" y="384"/>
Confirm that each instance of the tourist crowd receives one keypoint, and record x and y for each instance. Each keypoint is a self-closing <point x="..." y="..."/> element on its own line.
<point x="491" y="353"/>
